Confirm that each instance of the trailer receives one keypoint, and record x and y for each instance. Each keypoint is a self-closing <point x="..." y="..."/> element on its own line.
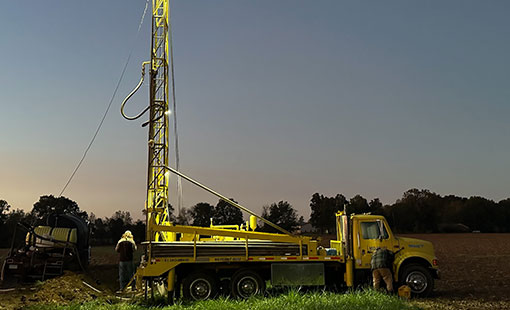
<point x="47" y="250"/>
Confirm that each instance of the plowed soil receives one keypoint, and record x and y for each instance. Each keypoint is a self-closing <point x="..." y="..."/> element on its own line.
<point x="475" y="274"/>
<point x="475" y="271"/>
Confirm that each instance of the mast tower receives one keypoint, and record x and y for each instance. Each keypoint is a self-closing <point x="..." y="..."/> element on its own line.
<point x="157" y="211"/>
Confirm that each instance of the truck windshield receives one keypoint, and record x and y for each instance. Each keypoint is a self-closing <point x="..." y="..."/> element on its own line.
<point x="370" y="230"/>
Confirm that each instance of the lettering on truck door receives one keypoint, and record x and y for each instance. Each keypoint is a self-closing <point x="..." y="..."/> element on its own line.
<point x="372" y="234"/>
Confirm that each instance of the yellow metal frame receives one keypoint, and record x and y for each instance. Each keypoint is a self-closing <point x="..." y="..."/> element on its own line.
<point x="159" y="266"/>
<point x="241" y="234"/>
<point x="157" y="176"/>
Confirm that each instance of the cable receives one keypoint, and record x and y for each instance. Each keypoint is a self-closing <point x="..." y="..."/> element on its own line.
<point x="110" y="103"/>
<point x="174" y="108"/>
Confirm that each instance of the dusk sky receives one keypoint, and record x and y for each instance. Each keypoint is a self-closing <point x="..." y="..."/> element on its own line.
<point x="276" y="100"/>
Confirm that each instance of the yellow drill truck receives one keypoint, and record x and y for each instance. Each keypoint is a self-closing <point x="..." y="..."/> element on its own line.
<point x="240" y="261"/>
<point x="199" y="262"/>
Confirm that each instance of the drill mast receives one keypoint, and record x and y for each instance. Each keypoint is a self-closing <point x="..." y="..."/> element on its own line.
<point x="157" y="212"/>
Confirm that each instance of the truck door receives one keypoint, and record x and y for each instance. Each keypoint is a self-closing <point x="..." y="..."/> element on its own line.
<point x="370" y="235"/>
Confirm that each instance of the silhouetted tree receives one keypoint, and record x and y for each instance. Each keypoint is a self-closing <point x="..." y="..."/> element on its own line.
<point x="451" y="207"/>
<point x="201" y="213"/>
<point x="376" y="206"/>
<point x="138" y="229"/>
<point x="505" y="210"/>
<point x="171" y="215"/>
<point x="184" y="217"/>
<point x="4" y="209"/>
<point x="226" y="214"/>
<point x="11" y="224"/>
<point x="99" y="232"/>
<point x="324" y="210"/>
<point x="358" y="205"/>
<point x="481" y="214"/>
<point x="119" y="223"/>
<point x="49" y="204"/>
<point x="281" y="214"/>
<point x="417" y="211"/>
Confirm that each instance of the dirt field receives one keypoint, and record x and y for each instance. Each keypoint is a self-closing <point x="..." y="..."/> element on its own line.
<point x="475" y="274"/>
<point x="475" y="271"/>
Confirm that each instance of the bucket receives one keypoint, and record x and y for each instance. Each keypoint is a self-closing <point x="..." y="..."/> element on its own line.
<point x="404" y="292"/>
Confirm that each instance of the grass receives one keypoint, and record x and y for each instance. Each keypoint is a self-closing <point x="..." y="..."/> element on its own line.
<point x="293" y="300"/>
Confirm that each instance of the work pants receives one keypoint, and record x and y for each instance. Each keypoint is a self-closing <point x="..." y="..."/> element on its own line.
<point x="384" y="274"/>
<point x="126" y="271"/>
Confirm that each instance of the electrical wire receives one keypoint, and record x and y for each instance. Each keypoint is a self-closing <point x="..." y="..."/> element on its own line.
<point x="174" y="108"/>
<point x="110" y="103"/>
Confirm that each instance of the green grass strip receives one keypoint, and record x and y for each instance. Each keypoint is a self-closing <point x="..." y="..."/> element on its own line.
<point x="293" y="300"/>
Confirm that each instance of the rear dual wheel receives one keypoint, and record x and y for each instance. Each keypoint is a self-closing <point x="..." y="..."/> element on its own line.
<point x="199" y="286"/>
<point x="246" y="283"/>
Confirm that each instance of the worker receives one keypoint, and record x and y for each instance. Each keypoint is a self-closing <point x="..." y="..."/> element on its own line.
<point x="382" y="263"/>
<point x="125" y="247"/>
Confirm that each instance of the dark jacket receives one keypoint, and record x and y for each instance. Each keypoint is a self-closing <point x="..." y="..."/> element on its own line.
<point x="125" y="249"/>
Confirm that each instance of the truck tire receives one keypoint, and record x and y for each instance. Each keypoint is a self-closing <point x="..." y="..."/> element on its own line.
<point x="246" y="283"/>
<point x="199" y="286"/>
<point x="418" y="278"/>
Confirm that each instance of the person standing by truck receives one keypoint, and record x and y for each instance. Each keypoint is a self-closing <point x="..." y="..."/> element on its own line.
<point x="126" y="246"/>
<point x="381" y="263"/>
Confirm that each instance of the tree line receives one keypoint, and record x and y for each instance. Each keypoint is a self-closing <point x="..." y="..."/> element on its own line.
<point x="418" y="211"/>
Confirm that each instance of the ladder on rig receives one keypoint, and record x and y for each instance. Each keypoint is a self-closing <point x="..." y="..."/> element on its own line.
<point x="54" y="265"/>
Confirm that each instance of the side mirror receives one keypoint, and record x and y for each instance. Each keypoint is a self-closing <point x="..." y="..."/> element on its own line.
<point x="381" y="229"/>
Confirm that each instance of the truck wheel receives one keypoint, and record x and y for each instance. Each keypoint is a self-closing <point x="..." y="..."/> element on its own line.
<point x="419" y="279"/>
<point x="199" y="286"/>
<point x="247" y="283"/>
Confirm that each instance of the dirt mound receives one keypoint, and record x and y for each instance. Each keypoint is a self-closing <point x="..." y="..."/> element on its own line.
<point x="99" y="281"/>
<point x="66" y="289"/>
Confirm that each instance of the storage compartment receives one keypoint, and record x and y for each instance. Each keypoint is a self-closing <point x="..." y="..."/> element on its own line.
<point x="297" y="274"/>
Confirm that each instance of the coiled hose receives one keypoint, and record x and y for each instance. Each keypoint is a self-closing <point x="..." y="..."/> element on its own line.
<point x="132" y="118"/>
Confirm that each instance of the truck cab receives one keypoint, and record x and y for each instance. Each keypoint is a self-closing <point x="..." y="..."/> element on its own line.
<point x="358" y="235"/>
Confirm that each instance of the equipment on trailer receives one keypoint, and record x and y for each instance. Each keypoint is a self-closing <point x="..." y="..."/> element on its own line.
<point x="48" y="250"/>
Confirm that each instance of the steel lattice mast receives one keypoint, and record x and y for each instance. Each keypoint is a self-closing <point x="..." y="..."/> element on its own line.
<point x="158" y="178"/>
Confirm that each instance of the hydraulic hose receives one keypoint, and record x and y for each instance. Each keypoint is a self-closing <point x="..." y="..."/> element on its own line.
<point x="131" y="118"/>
